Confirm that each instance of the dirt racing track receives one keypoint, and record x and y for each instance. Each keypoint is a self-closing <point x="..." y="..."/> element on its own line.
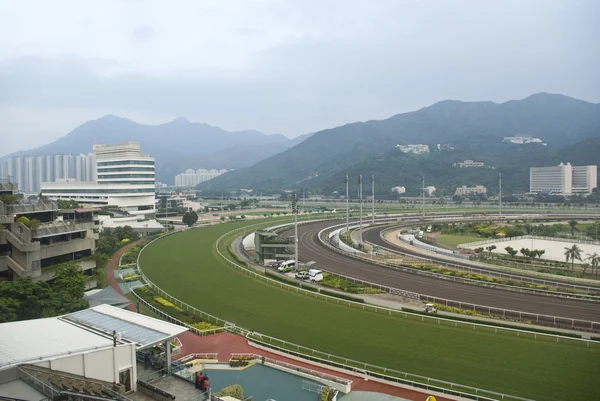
<point x="312" y="249"/>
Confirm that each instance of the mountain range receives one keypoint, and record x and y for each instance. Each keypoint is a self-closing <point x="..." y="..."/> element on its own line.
<point x="569" y="129"/>
<point x="176" y="145"/>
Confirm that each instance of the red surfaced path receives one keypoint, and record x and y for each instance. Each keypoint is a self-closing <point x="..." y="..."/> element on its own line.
<point x="226" y="343"/>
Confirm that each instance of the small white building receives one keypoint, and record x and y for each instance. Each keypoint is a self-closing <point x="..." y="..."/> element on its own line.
<point x="469" y="163"/>
<point x="399" y="190"/>
<point x="416" y="149"/>
<point x="92" y="348"/>
<point x="466" y="191"/>
<point x="429" y="190"/>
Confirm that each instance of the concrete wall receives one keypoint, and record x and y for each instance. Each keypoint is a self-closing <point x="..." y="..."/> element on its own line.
<point x="103" y="364"/>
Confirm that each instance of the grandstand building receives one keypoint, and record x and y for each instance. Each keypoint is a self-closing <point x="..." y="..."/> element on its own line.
<point x="563" y="179"/>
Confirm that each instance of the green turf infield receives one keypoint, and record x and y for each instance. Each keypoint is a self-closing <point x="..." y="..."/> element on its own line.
<point x="186" y="265"/>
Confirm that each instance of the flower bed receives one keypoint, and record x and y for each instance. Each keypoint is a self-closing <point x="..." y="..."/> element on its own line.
<point x="347" y="286"/>
<point x="164" y="302"/>
<point x="205" y="326"/>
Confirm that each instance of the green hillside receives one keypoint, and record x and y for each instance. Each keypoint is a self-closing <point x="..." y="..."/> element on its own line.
<point x="465" y="130"/>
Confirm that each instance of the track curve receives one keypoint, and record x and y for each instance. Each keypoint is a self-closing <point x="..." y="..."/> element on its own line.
<point x="373" y="235"/>
<point x="311" y="249"/>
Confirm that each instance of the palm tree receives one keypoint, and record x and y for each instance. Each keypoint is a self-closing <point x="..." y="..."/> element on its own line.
<point x="573" y="225"/>
<point x="594" y="261"/>
<point x="573" y="253"/>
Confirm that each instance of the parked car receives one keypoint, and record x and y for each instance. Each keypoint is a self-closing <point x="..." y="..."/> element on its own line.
<point x="302" y="275"/>
<point x="315" y="275"/>
<point x="287" y="266"/>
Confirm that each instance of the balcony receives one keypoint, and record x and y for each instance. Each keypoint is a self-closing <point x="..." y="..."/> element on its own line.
<point x="26" y="208"/>
<point x="60" y="227"/>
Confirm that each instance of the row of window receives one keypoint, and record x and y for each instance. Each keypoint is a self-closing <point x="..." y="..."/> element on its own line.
<point x="105" y="176"/>
<point x="95" y="191"/>
<point x="116" y="163"/>
<point x="110" y="169"/>
<point x="128" y="182"/>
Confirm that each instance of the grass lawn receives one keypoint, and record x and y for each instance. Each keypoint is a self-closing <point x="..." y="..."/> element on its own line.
<point x="451" y="241"/>
<point x="186" y="266"/>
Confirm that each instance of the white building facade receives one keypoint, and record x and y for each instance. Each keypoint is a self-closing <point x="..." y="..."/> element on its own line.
<point x="399" y="190"/>
<point x="563" y="179"/>
<point x="469" y="163"/>
<point x="191" y="178"/>
<point x="416" y="149"/>
<point x="124" y="177"/>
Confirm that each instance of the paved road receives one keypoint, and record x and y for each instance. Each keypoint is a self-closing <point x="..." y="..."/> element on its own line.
<point x="311" y="249"/>
<point x="373" y="235"/>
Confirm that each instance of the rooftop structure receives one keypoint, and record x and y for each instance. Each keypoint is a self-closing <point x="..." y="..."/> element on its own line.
<point x="92" y="346"/>
<point x="124" y="178"/>
<point x="39" y="235"/>
<point x="520" y="140"/>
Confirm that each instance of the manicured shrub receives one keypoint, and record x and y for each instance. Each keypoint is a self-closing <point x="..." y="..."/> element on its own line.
<point x="341" y="296"/>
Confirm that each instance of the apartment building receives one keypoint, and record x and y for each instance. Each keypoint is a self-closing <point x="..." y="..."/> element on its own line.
<point x="28" y="249"/>
<point x="467" y="191"/>
<point x="416" y="149"/>
<point x="29" y="172"/>
<point x="429" y="190"/>
<point x="191" y="178"/>
<point x="563" y="179"/>
<point x="399" y="190"/>
<point x="125" y="178"/>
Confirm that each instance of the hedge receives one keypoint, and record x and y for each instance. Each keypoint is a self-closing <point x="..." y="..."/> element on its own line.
<point x="341" y="296"/>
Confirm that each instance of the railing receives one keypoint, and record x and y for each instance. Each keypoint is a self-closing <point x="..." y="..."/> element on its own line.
<point x="312" y="387"/>
<point x="309" y="353"/>
<point x="378" y="372"/>
<point x="171" y="319"/>
<point x="59" y="228"/>
<point x="22" y="208"/>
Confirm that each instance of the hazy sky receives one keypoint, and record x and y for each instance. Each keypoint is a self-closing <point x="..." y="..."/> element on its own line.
<point x="287" y="67"/>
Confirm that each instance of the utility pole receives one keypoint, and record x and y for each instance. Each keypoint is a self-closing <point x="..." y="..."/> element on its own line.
<point x="347" y="210"/>
<point x="295" y="212"/>
<point x="423" y="196"/>
<point x="500" y="193"/>
<point x="360" y="200"/>
<point x="373" y="200"/>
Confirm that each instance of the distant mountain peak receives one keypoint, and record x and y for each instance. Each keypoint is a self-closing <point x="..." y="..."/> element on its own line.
<point x="111" y="118"/>
<point x="180" y="120"/>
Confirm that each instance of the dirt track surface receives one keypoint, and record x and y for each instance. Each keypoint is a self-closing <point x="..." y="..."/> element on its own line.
<point x="311" y="249"/>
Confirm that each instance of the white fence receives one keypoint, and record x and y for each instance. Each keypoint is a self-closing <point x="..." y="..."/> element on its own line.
<point x="496" y="240"/>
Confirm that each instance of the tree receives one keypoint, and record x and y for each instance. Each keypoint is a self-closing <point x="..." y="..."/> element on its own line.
<point x="69" y="285"/>
<point x="223" y="218"/>
<point x="594" y="261"/>
<point x="190" y="218"/>
<point x="540" y="252"/>
<point x="573" y="226"/>
<point x="524" y="251"/>
<point x="511" y="251"/>
<point x="584" y="267"/>
<point x="573" y="253"/>
<point x="24" y="299"/>
<point x="490" y="248"/>
<point x="67" y="204"/>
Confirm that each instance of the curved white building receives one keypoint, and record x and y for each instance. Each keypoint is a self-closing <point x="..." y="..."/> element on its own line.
<point x="124" y="177"/>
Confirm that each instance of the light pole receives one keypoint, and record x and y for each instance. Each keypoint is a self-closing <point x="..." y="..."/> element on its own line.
<point x="347" y="210"/>
<point x="500" y="193"/>
<point x="373" y="200"/>
<point x="295" y="212"/>
<point x="360" y="201"/>
<point x="423" y="196"/>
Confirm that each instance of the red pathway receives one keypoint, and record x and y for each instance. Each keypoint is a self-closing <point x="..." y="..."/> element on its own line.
<point x="226" y="343"/>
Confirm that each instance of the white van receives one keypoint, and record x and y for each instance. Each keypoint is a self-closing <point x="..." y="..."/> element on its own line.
<point x="429" y="229"/>
<point x="287" y="266"/>
<point x="315" y="275"/>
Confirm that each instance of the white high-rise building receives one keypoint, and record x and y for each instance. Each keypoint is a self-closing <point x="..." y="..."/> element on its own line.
<point x="191" y="178"/>
<point x="563" y="179"/>
<point x="123" y="177"/>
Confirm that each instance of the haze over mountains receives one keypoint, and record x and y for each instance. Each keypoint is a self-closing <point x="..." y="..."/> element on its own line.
<point x="176" y="145"/>
<point x="471" y="130"/>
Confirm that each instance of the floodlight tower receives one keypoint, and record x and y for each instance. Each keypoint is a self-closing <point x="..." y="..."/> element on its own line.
<point x="360" y="201"/>
<point x="423" y="196"/>
<point x="295" y="213"/>
<point x="373" y="200"/>
<point x="500" y="193"/>
<point x="347" y="210"/>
